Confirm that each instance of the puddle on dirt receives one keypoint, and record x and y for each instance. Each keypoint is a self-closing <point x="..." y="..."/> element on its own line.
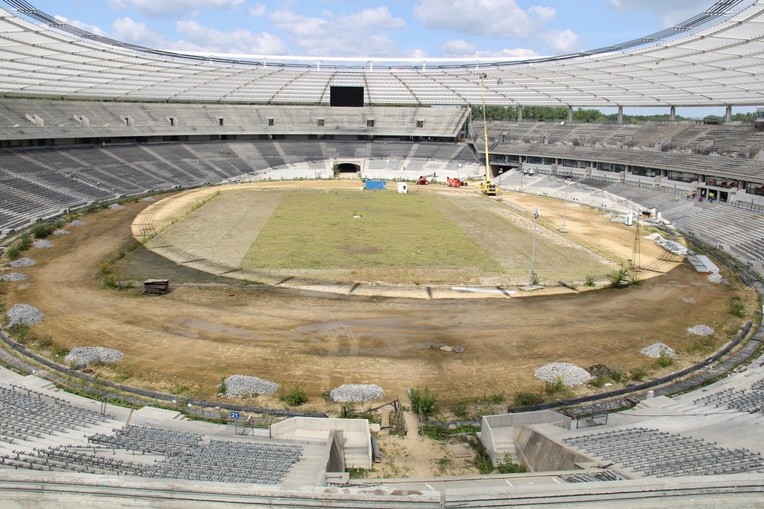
<point x="214" y="328"/>
<point x="395" y="323"/>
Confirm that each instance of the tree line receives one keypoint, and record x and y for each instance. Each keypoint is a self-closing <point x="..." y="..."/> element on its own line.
<point x="560" y="113"/>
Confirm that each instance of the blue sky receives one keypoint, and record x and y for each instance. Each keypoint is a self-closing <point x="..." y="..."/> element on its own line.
<point x="372" y="28"/>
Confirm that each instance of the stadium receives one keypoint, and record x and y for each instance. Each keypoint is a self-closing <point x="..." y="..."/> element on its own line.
<point x="275" y="207"/>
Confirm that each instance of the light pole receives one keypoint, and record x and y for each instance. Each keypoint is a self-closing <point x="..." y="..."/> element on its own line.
<point x="533" y="251"/>
<point x="564" y="227"/>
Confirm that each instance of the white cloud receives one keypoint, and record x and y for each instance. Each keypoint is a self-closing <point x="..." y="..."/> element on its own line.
<point x="128" y="30"/>
<point x="93" y="29"/>
<point x="511" y="53"/>
<point x="237" y="41"/>
<point x="458" y="48"/>
<point x="373" y="18"/>
<point x="671" y="12"/>
<point x="465" y="49"/>
<point x="483" y="17"/>
<point x="173" y="7"/>
<point x="562" y="41"/>
<point x="258" y="11"/>
<point x="359" y="33"/>
<point x="198" y="38"/>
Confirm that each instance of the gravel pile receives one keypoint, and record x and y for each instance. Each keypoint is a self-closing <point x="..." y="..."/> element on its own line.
<point x="116" y="206"/>
<point x="24" y="314"/>
<point x="656" y="349"/>
<point x="13" y="277"/>
<point x="356" y="392"/>
<point x="84" y="355"/>
<point x="43" y="244"/>
<point x="22" y="262"/>
<point x="701" y="330"/>
<point x="717" y="279"/>
<point x="149" y="198"/>
<point x="570" y="374"/>
<point x="60" y="232"/>
<point x="238" y="386"/>
<point x="77" y="222"/>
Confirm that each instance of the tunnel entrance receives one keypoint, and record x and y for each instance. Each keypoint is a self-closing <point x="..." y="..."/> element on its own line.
<point x="348" y="170"/>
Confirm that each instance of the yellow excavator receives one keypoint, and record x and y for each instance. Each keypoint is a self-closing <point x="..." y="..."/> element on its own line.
<point x="486" y="187"/>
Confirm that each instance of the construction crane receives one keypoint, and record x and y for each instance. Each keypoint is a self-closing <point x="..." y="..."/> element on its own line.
<point x="486" y="186"/>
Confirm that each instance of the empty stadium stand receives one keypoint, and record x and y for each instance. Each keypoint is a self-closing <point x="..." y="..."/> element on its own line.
<point x="658" y="453"/>
<point x="41" y="432"/>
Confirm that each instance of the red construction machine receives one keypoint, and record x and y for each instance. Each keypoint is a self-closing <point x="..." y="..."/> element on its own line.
<point x="455" y="182"/>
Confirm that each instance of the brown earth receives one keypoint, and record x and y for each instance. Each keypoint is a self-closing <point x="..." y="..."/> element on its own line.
<point x="185" y="342"/>
<point x="211" y="327"/>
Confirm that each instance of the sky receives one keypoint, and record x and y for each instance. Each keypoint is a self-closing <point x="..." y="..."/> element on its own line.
<point x="373" y="28"/>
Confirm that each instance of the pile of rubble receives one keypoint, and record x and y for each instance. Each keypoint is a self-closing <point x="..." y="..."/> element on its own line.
<point x="570" y="374"/>
<point x="83" y="355"/>
<point x="240" y="386"/>
<point x="356" y="392"/>
<point x="657" y="349"/>
<point x="24" y="314"/>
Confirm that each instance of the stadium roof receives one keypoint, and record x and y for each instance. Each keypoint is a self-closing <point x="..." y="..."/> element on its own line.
<point x="713" y="59"/>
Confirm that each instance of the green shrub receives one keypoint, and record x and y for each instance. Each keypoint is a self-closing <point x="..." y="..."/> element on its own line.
<point x="357" y="473"/>
<point x="598" y="381"/>
<point x="523" y="399"/>
<point x="295" y="396"/>
<point x="620" y="278"/>
<point x="460" y="410"/>
<point x="434" y="432"/>
<point x="589" y="281"/>
<point x="555" y="388"/>
<point x="42" y="230"/>
<point x="110" y="281"/>
<point x="505" y="466"/>
<point x="423" y="402"/>
<point x="737" y="308"/>
<point x="16" y="248"/>
<point x="482" y="460"/>
<point x="665" y="360"/>
<point x="497" y="398"/>
<point x="638" y="374"/>
<point x="616" y="375"/>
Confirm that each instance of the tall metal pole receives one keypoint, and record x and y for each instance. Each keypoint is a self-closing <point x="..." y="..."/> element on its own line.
<point x="485" y="130"/>
<point x="533" y="251"/>
<point x="564" y="227"/>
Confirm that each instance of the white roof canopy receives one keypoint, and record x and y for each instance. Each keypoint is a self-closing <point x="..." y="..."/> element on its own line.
<point x="713" y="59"/>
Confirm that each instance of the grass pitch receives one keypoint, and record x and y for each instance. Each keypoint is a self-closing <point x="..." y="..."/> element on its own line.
<point x="333" y="232"/>
<point x="334" y="229"/>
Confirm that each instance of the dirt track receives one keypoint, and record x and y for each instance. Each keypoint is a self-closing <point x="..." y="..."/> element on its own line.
<point x="187" y="341"/>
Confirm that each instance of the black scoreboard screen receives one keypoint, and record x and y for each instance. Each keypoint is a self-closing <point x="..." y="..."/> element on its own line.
<point x="346" y="96"/>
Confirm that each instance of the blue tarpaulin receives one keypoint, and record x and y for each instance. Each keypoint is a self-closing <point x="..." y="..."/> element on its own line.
<point x="375" y="185"/>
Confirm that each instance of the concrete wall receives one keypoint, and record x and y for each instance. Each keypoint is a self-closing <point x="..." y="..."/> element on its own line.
<point x="336" y="461"/>
<point x="356" y="436"/>
<point x="542" y="454"/>
<point x="499" y="432"/>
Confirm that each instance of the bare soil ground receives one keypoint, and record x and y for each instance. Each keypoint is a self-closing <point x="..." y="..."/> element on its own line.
<point x="187" y="341"/>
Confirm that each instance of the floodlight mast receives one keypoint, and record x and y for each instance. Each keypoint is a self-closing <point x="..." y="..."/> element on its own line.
<point x="485" y="130"/>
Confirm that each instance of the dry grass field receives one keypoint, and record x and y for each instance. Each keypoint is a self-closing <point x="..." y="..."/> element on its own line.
<point x="211" y="326"/>
<point x="431" y="236"/>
